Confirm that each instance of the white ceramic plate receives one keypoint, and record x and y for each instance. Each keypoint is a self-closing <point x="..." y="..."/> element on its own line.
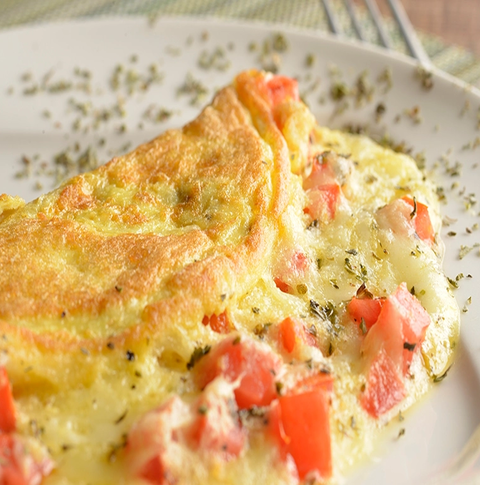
<point x="38" y="126"/>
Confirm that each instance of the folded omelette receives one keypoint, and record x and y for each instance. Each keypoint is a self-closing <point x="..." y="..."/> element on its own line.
<point x="250" y="298"/>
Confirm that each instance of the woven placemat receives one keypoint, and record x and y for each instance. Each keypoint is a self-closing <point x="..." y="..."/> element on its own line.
<point x="307" y="14"/>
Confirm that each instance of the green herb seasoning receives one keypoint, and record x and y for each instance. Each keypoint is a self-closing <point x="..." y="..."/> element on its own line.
<point x="197" y="354"/>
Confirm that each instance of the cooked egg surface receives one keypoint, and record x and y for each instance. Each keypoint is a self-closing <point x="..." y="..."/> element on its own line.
<point x="106" y="283"/>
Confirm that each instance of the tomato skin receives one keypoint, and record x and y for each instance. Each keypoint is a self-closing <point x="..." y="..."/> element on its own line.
<point x="323" y="202"/>
<point x="389" y="346"/>
<point x="7" y="405"/>
<point x="291" y="332"/>
<point x="209" y="426"/>
<point x="413" y="319"/>
<point x="10" y="469"/>
<point x="148" y="439"/>
<point x="233" y="358"/>
<point x="323" y="191"/>
<point x="299" y="424"/>
<point x="319" y="381"/>
<point x="215" y="429"/>
<point x="282" y="88"/>
<point x="17" y="466"/>
<point x="218" y="323"/>
<point x="282" y="286"/>
<point x="385" y="387"/>
<point x="401" y="217"/>
<point x="299" y="263"/>
<point x="402" y="320"/>
<point x="203" y="435"/>
<point x="322" y="174"/>
<point x="154" y="472"/>
<point x="367" y="308"/>
<point x="421" y="221"/>
<point x="294" y="267"/>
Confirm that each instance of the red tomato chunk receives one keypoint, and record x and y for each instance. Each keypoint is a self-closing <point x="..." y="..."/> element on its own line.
<point x="421" y="221"/>
<point x="282" y="88"/>
<point x="366" y="308"/>
<point x="282" y="286"/>
<point x="403" y="218"/>
<point x="215" y="429"/>
<point x="243" y="359"/>
<point x="218" y="323"/>
<point x="322" y="381"/>
<point x="323" y="202"/>
<point x="322" y="174"/>
<point x="291" y="270"/>
<point x="154" y="472"/>
<point x="299" y="424"/>
<point x="210" y="426"/>
<point x="11" y="472"/>
<point x="385" y="387"/>
<point x="17" y="466"/>
<point x="389" y="347"/>
<point x="292" y="332"/>
<point x="7" y="406"/>
<point x="323" y="191"/>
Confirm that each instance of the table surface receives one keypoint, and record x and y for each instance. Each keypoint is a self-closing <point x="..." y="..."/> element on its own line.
<point x="456" y="22"/>
<point x="449" y="30"/>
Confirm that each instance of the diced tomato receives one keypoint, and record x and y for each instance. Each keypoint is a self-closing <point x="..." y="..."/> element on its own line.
<point x="291" y="332"/>
<point x="389" y="346"/>
<point x="413" y="319"/>
<point x="320" y="380"/>
<point x="243" y="359"/>
<point x="366" y="308"/>
<point x="17" y="466"/>
<point x="7" y="406"/>
<point x="154" y="472"/>
<point x="150" y="440"/>
<point x="299" y="424"/>
<point x="385" y="387"/>
<point x="215" y="428"/>
<point x="323" y="191"/>
<point x="11" y="472"/>
<point x="323" y="202"/>
<point x="218" y="323"/>
<point x="281" y="88"/>
<point x="385" y="334"/>
<point x="322" y="174"/>
<point x="294" y="268"/>
<point x="401" y="325"/>
<point x="163" y="438"/>
<point x="299" y="263"/>
<point x="401" y="216"/>
<point x="421" y="221"/>
<point x="282" y="286"/>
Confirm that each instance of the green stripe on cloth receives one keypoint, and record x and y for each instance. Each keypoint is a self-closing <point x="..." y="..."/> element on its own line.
<point x="302" y="13"/>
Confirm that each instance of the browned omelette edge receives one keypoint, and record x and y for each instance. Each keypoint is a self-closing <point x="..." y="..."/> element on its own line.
<point x="194" y="282"/>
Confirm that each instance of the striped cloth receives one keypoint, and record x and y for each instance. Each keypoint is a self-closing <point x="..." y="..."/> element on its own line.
<point x="306" y="14"/>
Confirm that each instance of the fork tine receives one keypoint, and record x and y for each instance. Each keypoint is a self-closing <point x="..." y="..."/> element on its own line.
<point x="406" y="29"/>
<point x="332" y="21"/>
<point x="414" y="46"/>
<point x="353" y="16"/>
<point x="377" y="20"/>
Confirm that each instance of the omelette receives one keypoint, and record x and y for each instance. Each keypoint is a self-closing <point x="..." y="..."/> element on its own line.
<point x="248" y="299"/>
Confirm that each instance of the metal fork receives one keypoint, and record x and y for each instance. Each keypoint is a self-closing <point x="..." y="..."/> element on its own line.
<point x="406" y="29"/>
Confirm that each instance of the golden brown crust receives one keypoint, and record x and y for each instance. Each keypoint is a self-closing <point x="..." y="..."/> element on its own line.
<point x="150" y="241"/>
